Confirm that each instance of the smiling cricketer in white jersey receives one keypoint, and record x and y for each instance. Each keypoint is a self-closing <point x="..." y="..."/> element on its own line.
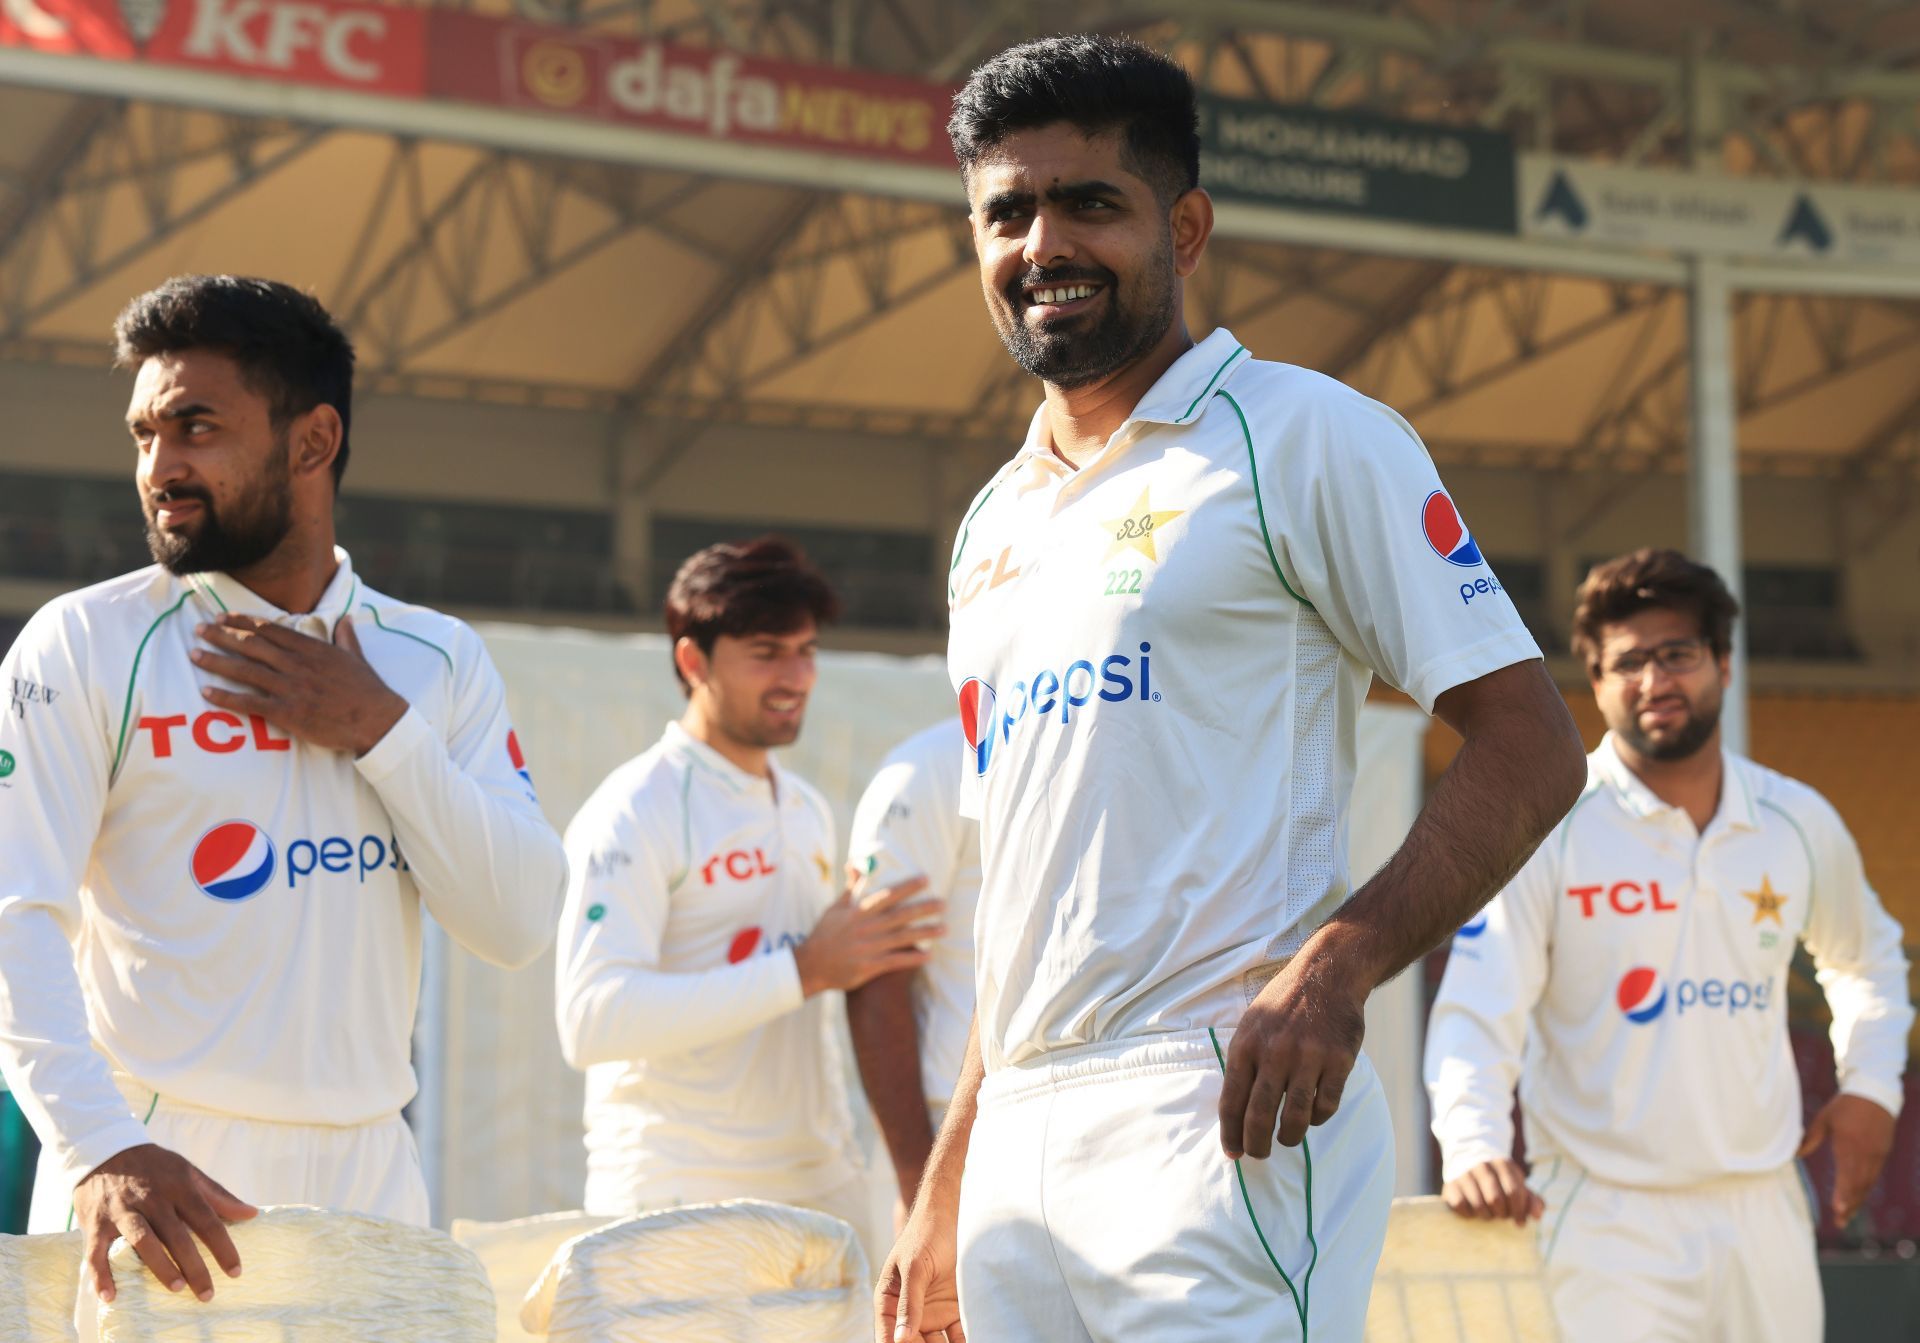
<point x="1160" y="660"/>
<point x="244" y="908"/>
<point x="709" y="1076"/>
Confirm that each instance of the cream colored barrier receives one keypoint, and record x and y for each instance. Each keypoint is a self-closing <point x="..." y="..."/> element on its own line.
<point x="1444" y="1279"/>
<point x="707" y="1273"/>
<point x="312" y="1276"/>
<point x="39" y="1281"/>
<point x="516" y="1253"/>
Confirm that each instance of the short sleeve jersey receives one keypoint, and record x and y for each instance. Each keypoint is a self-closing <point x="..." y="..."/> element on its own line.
<point x="1160" y="660"/>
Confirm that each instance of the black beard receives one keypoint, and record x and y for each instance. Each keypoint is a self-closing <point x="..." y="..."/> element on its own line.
<point x="1084" y="350"/>
<point x="1685" y="743"/>
<point x="259" y="523"/>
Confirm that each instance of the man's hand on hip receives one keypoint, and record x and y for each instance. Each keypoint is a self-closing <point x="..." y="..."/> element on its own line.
<point x="158" y="1201"/>
<point x="1862" y="1134"/>
<point x="853" y="943"/>
<point x="1292" y="1051"/>
<point x="326" y="694"/>
<point x="1494" y="1189"/>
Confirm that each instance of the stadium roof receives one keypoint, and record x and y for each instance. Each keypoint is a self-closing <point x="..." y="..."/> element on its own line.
<point x="758" y="285"/>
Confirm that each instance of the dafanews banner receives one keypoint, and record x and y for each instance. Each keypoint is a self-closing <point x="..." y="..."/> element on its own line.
<point x="1309" y="158"/>
<point x="1699" y="214"/>
<point x="692" y="90"/>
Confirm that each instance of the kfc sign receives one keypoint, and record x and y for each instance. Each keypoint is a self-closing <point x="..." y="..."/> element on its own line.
<point x="377" y="48"/>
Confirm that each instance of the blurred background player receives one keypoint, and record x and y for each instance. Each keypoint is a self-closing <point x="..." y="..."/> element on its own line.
<point x="704" y="925"/>
<point x="908" y="824"/>
<point x="244" y="773"/>
<point x="1633" y="979"/>
<point x="1199" y="561"/>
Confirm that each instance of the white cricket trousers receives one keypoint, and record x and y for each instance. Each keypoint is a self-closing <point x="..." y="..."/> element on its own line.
<point x="1730" y="1261"/>
<point x="1098" y="1207"/>
<point x="371" y="1168"/>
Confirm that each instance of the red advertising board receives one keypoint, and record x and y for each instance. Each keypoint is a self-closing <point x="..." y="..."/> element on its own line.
<point x="706" y="92"/>
<point x="701" y="91"/>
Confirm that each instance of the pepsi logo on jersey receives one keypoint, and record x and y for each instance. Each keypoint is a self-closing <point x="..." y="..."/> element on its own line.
<point x="1447" y="533"/>
<point x="753" y="941"/>
<point x="986" y="726"/>
<point x="236" y="860"/>
<point x="518" y="760"/>
<point x="1642" y="995"/>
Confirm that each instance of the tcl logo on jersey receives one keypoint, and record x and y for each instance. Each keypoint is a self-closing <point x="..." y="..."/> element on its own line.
<point x="1446" y="533"/>
<point x="752" y="941"/>
<point x="987" y="726"/>
<point x="236" y="859"/>
<point x="739" y="865"/>
<point x="985" y="577"/>
<point x="1622" y="897"/>
<point x="216" y="732"/>
<point x="1642" y="995"/>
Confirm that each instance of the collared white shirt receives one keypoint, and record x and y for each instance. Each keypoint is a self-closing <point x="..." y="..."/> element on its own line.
<point x="1633" y="979"/>
<point x="709" y="1074"/>
<point x="1160" y="660"/>
<point x="908" y="824"/>
<point x="224" y="915"/>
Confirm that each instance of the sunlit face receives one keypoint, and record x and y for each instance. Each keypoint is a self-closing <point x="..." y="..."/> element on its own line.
<point x="754" y="689"/>
<point x="1659" y="685"/>
<point x="1077" y="255"/>
<point x="214" y="476"/>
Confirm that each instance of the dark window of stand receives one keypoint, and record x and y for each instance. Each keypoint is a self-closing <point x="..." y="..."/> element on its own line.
<point x="885" y="578"/>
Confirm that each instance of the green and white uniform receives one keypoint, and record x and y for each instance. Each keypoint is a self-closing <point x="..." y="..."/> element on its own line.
<point x="709" y="1075"/>
<point x="1160" y="659"/>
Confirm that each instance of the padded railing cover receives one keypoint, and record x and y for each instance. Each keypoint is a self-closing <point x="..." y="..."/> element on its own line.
<point x="1444" y="1279"/>
<point x="708" y="1273"/>
<point x="39" y="1282"/>
<point x="312" y="1276"/>
<point x="515" y="1254"/>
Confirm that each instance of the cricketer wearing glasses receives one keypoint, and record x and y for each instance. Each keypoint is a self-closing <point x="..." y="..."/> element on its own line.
<point x="1632" y="979"/>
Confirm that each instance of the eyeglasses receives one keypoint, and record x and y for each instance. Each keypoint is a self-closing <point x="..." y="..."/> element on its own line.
<point x="1675" y="656"/>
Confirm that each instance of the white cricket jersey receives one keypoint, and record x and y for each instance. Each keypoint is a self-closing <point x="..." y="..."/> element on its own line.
<point x="709" y="1075"/>
<point x="243" y="908"/>
<point x="908" y="824"/>
<point x="1633" y="979"/>
<point x="1160" y="659"/>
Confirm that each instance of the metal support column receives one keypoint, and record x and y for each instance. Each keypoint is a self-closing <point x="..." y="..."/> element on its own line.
<point x="1713" y="499"/>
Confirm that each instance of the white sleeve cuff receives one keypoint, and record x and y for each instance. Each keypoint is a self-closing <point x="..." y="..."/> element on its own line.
<point x="79" y="1160"/>
<point x="392" y="750"/>
<point x="1458" y="1161"/>
<point x="1887" y="1095"/>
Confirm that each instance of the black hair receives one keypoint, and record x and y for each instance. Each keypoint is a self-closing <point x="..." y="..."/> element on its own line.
<point x="1096" y="84"/>
<point x="288" y="347"/>
<point x="1651" y="580"/>
<point x="742" y="588"/>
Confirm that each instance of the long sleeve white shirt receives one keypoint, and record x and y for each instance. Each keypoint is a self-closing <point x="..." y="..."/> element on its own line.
<point x="202" y="907"/>
<point x="1632" y="980"/>
<point x="709" y="1074"/>
<point x="908" y="824"/>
